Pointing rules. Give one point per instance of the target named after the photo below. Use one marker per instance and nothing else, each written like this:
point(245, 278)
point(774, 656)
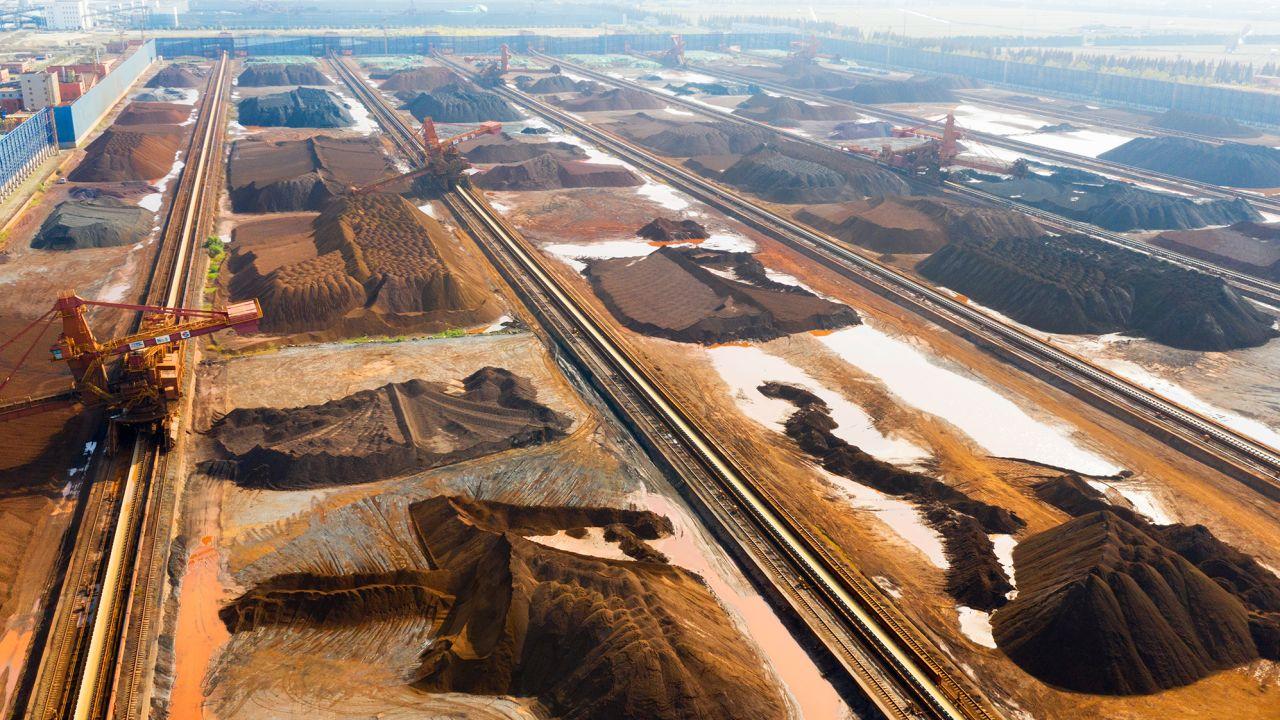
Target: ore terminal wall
point(1258, 108)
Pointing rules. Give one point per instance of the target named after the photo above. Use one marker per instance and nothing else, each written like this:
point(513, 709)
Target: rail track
point(94, 658)
point(1257, 288)
point(872, 641)
point(1253, 463)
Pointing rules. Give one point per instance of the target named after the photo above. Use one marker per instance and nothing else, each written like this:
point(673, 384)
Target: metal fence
point(79, 118)
point(24, 149)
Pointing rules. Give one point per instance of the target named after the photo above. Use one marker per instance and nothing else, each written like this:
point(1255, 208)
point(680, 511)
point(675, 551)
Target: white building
point(68, 15)
point(39, 89)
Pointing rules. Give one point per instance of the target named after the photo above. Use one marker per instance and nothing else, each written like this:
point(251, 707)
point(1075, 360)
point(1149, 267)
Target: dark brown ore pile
point(788, 111)
point(154, 113)
point(1104, 608)
point(119, 155)
point(664, 230)
point(914, 224)
point(671, 293)
point(682, 139)
point(286, 175)
point(420, 79)
point(504, 148)
point(1248, 246)
point(371, 264)
point(177, 76)
point(1239, 574)
point(974, 575)
point(1076, 284)
point(589, 638)
point(396, 429)
point(545, 172)
point(790, 172)
point(616, 99)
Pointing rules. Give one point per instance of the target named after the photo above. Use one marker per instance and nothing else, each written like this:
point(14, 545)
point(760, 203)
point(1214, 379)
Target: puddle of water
point(993, 421)
point(664, 195)
point(745, 368)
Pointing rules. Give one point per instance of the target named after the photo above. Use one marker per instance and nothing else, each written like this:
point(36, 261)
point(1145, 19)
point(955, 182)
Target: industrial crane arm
point(242, 316)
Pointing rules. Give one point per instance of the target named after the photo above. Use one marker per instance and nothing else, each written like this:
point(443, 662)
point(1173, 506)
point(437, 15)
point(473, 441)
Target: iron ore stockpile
point(676, 293)
point(93, 231)
point(1249, 247)
point(458, 103)
point(281, 175)
point(1230, 164)
point(446, 509)
point(426, 486)
point(1111, 204)
point(366, 264)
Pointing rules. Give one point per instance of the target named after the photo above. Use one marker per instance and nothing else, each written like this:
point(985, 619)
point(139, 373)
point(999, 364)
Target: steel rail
point(74, 679)
point(1248, 460)
point(1253, 286)
point(860, 606)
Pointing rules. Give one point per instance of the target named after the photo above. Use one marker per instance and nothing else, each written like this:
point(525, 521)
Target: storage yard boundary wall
point(1251, 106)
point(79, 118)
point(1261, 108)
point(24, 149)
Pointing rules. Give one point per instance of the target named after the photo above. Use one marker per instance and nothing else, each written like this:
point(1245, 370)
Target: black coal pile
point(301, 108)
point(664, 230)
point(1112, 204)
point(859, 130)
point(1076, 284)
point(787, 111)
point(912, 90)
point(974, 576)
point(1229, 164)
point(458, 104)
point(790, 172)
point(273, 74)
point(1104, 608)
point(93, 223)
point(1203, 124)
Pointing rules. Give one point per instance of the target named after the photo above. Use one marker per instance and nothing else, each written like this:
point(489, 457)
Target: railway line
point(1253, 463)
point(94, 659)
point(1260, 289)
point(872, 641)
